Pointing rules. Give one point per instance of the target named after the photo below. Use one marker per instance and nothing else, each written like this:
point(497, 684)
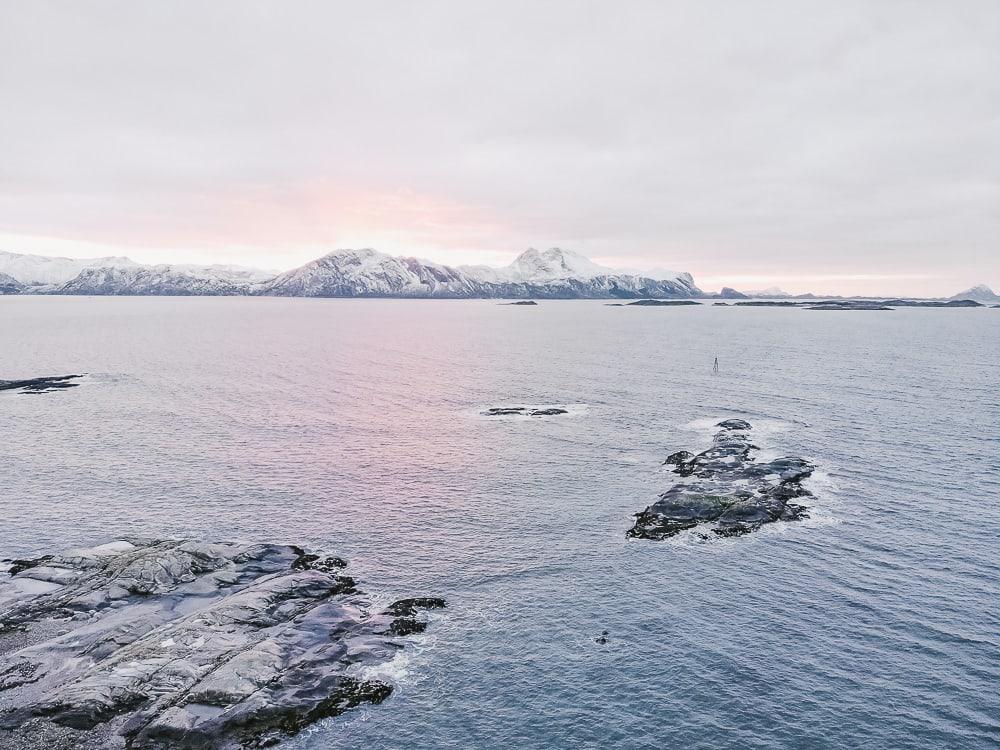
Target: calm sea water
point(352, 426)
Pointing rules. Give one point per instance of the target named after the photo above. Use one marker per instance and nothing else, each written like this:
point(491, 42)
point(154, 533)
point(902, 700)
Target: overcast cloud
point(831, 146)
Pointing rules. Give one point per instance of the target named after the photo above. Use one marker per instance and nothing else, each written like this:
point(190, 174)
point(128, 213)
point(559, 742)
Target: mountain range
point(552, 274)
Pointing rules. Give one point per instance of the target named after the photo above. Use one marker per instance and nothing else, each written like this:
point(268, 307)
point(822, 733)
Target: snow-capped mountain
point(536, 267)
point(553, 274)
point(772, 292)
point(42, 270)
point(159, 280)
point(979, 293)
point(369, 273)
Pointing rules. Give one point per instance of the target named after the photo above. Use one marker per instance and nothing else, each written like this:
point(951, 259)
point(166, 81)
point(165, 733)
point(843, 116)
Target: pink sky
point(837, 148)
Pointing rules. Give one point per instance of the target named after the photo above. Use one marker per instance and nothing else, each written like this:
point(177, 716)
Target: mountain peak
point(978, 293)
point(555, 263)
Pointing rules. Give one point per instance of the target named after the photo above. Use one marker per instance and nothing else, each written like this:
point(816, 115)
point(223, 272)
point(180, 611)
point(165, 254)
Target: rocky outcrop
point(725, 489)
point(40, 385)
point(172, 644)
point(524, 411)
point(661, 302)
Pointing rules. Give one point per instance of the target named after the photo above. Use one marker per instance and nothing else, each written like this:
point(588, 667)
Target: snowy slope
point(979, 293)
point(10, 285)
point(552, 274)
point(155, 280)
point(43, 270)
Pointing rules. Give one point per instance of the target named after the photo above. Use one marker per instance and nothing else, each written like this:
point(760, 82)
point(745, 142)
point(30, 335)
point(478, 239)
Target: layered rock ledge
point(725, 489)
point(179, 644)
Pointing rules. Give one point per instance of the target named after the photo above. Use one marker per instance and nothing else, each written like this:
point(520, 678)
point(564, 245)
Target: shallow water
point(353, 426)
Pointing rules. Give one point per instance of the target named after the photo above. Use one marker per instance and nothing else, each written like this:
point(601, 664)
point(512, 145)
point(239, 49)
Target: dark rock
point(932, 303)
point(720, 304)
point(39, 385)
point(730, 293)
point(524, 411)
point(17, 566)
point(169, 644)
point(521, 303)
point(848, 306)
point(724, 486)
point(662, 302)
point(679, 457)
point(410, 607)
point(735, 424)
point(504, 411)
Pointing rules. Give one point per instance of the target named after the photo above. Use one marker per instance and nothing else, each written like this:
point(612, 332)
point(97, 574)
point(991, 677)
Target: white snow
point(979, 293)
point(42, 270)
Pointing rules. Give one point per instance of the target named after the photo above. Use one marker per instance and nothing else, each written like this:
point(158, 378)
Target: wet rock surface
point(726, 489)
point(40, 385)
point(524, 411)
point(174, 644)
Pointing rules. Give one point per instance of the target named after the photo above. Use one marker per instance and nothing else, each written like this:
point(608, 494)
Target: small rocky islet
point(176, 644)
point(524, 411)
point(40, 385)
point(725, 489)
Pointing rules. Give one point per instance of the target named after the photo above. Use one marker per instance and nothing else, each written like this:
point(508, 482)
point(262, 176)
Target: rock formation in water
point(171, 644)
point(726, 489)
point(524, 411)
point(39, 385)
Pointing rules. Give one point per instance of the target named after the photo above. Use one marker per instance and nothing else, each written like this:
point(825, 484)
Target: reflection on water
point(354, 426)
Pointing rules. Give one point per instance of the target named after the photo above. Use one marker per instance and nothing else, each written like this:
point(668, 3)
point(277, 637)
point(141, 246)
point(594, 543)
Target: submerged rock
point(173, 644)
point(521, 303)
point(724, 486)
point(40, 385)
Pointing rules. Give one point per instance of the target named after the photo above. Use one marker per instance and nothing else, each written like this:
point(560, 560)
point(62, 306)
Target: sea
point(356, 427)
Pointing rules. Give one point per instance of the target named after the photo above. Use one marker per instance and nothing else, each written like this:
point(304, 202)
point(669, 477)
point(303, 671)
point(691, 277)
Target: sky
point(837, 147)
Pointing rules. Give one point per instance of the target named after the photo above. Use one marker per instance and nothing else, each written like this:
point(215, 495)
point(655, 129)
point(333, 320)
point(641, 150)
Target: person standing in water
point(715, 367)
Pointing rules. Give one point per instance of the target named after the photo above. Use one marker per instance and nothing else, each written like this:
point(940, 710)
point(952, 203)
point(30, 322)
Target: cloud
point(740, 139)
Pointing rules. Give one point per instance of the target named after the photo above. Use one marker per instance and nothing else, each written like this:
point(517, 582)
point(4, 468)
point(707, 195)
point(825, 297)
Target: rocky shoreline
point(726, 490)
point(179, 644)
